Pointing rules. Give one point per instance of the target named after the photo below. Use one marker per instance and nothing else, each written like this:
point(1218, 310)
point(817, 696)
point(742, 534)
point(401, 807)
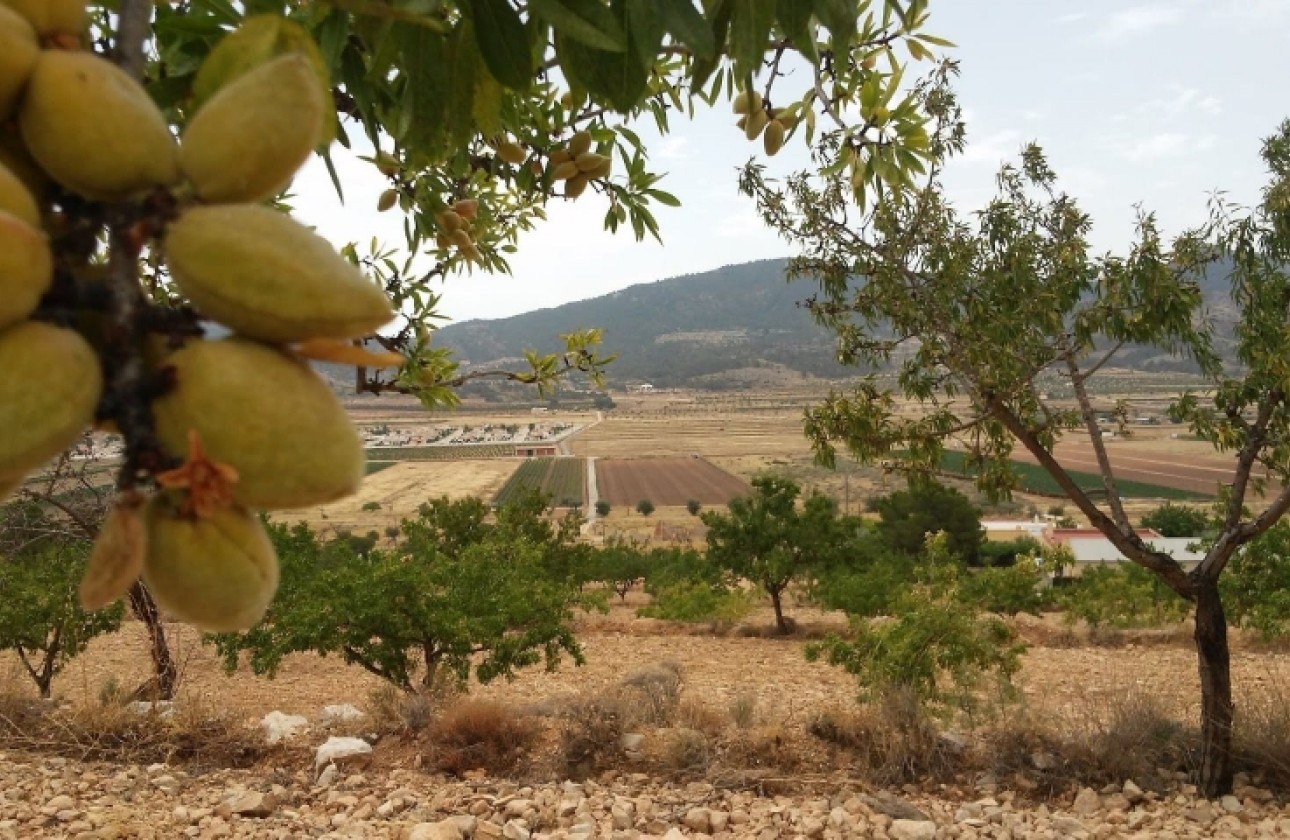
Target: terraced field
point(768, 433)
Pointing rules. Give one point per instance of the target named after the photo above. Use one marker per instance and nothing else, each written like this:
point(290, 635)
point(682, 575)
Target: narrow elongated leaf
point(587, 21)
point(750, 27)
point(719, 12)
point(683, 21)
point(645, 27)
point(795, 19)
point(503, 42)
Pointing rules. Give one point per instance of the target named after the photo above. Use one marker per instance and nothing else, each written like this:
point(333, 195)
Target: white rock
point(278, 726)
point(1231, 804)
point(697, 819)
point(336, 750)
point(161, 708)
point(912, 830)
point(632, 741)
point(1087, 802)
point(341, 713)
point(515, 830)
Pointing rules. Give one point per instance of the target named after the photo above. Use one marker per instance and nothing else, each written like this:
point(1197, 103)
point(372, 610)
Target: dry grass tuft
point(893, 740)
point(480, 735)
point(192, 734)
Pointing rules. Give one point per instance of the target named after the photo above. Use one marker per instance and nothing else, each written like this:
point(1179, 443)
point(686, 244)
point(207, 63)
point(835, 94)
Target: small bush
point(644, 507)
point(591, 734)
point(743, 709)
point(653, 693)
point(1122, 595)
point(1007, 590)
point(698, 601)
point(602, 508)
point(693, 507)
point(686, 751)
point(891, 739)
point(692, 714)
point(371, 506)
point(479, 734)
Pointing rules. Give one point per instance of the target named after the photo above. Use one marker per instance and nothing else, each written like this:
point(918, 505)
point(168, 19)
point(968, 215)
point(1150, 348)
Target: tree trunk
point(1214, 772)
point(781, 626)
point(165, 674)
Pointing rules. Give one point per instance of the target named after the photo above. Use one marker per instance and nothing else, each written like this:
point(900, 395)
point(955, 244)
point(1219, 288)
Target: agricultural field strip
point(665, 481)
point(560, 478)
point(1157, 471)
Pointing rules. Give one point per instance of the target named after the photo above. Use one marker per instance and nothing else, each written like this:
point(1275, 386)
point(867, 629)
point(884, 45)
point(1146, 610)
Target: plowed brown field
point(665, 481)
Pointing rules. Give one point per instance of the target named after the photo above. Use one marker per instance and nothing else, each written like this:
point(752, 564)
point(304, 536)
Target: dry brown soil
point(665, 481)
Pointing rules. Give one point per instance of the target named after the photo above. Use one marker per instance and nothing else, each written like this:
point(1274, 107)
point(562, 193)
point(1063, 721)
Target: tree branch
point(1127, 542)
point(133, 28)
point(1099, 444)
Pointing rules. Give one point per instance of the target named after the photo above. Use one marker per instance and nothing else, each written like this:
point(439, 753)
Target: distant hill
point(697, 330)
point(727, 328)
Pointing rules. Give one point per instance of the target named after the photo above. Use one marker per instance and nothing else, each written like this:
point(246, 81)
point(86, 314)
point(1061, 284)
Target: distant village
point(464, 434)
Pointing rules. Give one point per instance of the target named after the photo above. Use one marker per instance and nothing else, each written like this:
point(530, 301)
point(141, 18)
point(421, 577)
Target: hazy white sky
point(1157, 103)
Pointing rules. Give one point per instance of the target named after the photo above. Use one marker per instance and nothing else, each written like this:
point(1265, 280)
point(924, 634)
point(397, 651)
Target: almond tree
point(962, 325)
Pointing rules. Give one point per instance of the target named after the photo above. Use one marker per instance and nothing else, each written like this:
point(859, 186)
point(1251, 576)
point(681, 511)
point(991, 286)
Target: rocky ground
point(42, 796)
point(387, 794)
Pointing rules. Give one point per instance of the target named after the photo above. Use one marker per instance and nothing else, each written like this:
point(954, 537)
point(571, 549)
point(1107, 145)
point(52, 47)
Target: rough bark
point(165, 675)
point(781, 625)
point(1214, 770)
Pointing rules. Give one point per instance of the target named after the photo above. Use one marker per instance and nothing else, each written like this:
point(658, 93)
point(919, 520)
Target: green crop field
point(1032, 478)
point(558, 478)
point(440, 453)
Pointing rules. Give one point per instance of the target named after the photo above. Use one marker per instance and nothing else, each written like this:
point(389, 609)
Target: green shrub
point(1121, 595)
point(1008, 590)
point(1256, 584)
point(697, 601)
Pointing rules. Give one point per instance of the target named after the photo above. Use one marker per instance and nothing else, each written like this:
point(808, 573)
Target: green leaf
point(645, 28)
point(719, 12)
point(839, 17)
point(587, 21)
point(664, 198)
point(687, 26)
point(750, 28)
point(795, 19)
point(499, 32)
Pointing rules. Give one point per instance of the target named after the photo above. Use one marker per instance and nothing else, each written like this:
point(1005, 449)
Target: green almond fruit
point(247, 142)
point(26, 268)
point(218, 573)
point(18, 51)
point(266, 414)
point(94, 129)
point(16, 199)
point(266, 276)
point(51, 17)
point(48, 393)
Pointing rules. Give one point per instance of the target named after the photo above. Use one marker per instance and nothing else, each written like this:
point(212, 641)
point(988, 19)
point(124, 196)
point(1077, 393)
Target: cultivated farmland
point(665, 481)
point(559, 478)
point(398, 490)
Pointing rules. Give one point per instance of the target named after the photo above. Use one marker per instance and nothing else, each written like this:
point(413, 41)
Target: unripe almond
point(216, 573)
point(48, 393)
point(116, 561)
point(559, 156)
point(51, 17)
point(15, 157)
point(757, 120)
point(94, 129)
point(450, 220)
point(387, 200)
point(576, 185)
point(580, 142)
point(441, 240)
point(565, 171)
point(249, 139)
point(774, 137)
point(267, 415)
point(259, 272)
point(18, 51)
point(473, 254)
point(467, 208)
point(16, 199)
point(512, 153)
point(461, 238)
point(588, 161)
point(26, 268)
point(601, 169)
point(746, 102)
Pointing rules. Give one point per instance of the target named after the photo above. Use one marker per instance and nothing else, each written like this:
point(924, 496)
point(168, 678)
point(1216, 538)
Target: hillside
point(727, 328)
point(695, 330)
